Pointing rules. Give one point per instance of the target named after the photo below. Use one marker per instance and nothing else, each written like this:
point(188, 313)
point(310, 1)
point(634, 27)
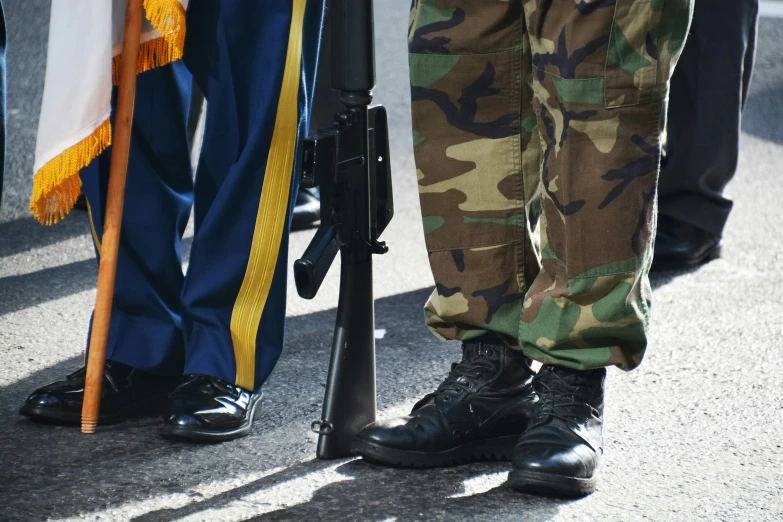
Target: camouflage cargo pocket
point(646, 39)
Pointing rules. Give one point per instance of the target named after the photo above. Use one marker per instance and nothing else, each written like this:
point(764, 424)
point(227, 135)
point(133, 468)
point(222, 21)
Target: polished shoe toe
point(126, 392)
point(45, 400)
point(208, 409)
point(186, 421)
point(51, 407)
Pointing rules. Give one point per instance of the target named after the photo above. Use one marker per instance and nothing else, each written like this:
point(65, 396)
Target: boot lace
point(464, 374)
point(563, 397)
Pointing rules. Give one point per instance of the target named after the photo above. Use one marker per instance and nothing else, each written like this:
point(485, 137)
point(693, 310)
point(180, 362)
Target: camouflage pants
point(536, 128)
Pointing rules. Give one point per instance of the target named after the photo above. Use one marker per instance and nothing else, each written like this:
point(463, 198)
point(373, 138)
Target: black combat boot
point(477, 413)
point(559, 453)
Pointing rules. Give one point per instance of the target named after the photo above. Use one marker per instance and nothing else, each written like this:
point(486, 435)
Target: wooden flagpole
point(113, 218)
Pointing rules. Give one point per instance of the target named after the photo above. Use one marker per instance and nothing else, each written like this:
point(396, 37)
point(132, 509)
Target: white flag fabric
point(83, 59)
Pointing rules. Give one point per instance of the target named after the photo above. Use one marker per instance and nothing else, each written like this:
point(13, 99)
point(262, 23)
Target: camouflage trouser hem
point(537, 143)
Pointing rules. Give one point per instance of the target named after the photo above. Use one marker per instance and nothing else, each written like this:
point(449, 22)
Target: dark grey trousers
point(708, 93)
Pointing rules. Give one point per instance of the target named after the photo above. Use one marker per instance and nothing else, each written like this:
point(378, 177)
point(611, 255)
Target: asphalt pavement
point(696, 433)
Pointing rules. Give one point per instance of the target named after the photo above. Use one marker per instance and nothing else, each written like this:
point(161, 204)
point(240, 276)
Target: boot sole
point(550, 485)
point(499, 449)
point(180, 433)
point(149, 407)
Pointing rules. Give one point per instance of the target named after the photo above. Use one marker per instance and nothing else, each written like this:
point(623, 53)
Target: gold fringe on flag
point(168, 19)
point(56, 186)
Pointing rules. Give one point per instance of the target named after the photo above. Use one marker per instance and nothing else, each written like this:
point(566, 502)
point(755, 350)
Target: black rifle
point(349, 161)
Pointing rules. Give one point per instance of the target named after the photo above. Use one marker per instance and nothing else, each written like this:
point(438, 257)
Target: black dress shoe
point(126, 392)
point(558, 455)
point(307, 210)
point(81, 202)
point(476, 414)
point(208, 409)
point(679, 245)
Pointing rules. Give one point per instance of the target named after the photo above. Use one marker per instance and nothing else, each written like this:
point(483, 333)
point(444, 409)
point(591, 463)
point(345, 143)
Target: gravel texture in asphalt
point(694, 434)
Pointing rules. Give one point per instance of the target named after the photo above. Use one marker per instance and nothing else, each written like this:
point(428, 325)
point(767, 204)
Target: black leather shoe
point(558, 455)
point(208, 409)
point(307, 210)
point(81, 202)
point(126, 392)
point(477, 413)
point(679, 245)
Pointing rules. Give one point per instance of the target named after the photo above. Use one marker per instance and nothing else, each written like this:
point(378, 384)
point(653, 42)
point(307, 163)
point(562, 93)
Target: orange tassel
point(57, 185)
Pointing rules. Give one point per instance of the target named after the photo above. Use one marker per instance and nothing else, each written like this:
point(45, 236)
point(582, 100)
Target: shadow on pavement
point(660, 279)
point(48, 470)
point(23, 291)
point(51, 471)
point(368, 492)
point(25, 234)
point(416, 495)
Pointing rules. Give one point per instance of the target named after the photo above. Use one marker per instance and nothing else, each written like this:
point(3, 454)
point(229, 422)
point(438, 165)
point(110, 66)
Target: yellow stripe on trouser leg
point(272, 211)
point(95, 237)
